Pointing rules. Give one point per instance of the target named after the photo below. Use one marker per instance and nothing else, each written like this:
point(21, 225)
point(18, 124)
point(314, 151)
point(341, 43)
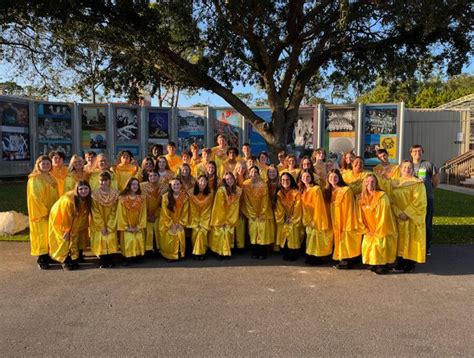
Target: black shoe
point(43, 265)
point(381, 270)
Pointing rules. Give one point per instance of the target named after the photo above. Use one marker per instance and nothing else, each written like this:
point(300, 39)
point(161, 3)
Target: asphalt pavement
point(240, 307)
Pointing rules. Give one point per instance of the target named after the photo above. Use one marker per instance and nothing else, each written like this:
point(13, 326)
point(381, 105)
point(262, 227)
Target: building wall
point(436, 130)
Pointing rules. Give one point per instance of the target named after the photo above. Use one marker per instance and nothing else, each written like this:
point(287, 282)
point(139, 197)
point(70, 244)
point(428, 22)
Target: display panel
point(158, 126)
point(15, 132)
point(256, 141)
point(300, 137)
point(229, 123)
point(191, 128)
point(94, 124)
point(340, 131)
point(54, 128)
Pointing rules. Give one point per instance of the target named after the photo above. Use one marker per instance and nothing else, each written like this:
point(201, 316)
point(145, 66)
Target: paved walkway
point(240, 307)
point(457, 189)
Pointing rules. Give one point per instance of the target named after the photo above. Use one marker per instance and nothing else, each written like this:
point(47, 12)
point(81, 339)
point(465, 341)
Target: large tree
point(283, 47)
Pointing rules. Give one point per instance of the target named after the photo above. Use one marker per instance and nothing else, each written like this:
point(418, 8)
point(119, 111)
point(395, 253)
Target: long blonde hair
point(36, 170)
point(75, 157)
point(364, 195)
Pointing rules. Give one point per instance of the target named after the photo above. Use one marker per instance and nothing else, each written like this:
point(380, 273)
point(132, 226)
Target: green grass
point(453, 221)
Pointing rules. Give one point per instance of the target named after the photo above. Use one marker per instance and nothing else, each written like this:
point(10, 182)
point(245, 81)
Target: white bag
point(12, 222)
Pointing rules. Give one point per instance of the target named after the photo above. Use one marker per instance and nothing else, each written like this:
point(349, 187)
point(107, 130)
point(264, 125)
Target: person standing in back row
point(427, 171)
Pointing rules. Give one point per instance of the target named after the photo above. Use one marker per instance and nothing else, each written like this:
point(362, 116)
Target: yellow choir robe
point(294, 172)
point(69, 184)
point(173, 245)
point(188, 184)
point(174, 161)
point(62, 219)
point(152, 194)
point(218, 155)
point(94, 179)
point(347, 239)
point(131, 212)
point(104, 216)
point(258, 210)
point(224, 218)
point(200, 209)
point(319, 240)
point(200, 169)
point(385, 174)
point(288, 216)
point(164, 179)
point(59, 173)
point(281, 168)
point(355, 180)
point(193, 164)
point(41, 194)
point(272, 189)
point(123, 173)
point(263, 171)
point(226, 166)
point(409, 197)
point(377, 223)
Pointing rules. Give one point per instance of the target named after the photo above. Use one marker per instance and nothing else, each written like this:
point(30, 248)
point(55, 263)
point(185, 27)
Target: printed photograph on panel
point(126, 120)
point(340, 129)
point(14, 114)
point(15, 146)
point(191, 128)
point(94, 118)
point(300, 140)
point(158, 125)
point(380, 124)
point(256, 141)
point(54, 128)
point(228, 123)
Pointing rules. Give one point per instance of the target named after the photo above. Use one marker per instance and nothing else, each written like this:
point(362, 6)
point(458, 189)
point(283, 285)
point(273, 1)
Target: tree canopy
point(283, 47)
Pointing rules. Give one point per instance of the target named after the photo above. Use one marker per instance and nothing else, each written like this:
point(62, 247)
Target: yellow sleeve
point(218, 215)
point(184, 218)
point(62, 215)
point(416, 209)
point(35, 192)
point(122, 222)
point(165, 215)
point(69, 183)
point(320, 219)
point(360, 218)
point(385, 221)
point(279, 211)
point(233, 212)
point(297, 216)
point(97, 223)
point(248, 209)
point(143, 216)
point(112, 218)
point(348, 212)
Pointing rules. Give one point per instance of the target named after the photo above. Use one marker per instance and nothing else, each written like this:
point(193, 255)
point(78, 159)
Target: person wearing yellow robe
point(240, 172)
point(152, 192)
point(224, 217)
point(103, 227)
point(320, 166)
point(148, 165)
point(200, 209)
point(68, 217)
point(377, 223)
point(385, 171)
point(184, 175)
point(89, 167)
point(219, 152)
point(281, 161)
point(41, 194)
point(58, 171)
point(211, 174)
point(409, 207)
point(291, 167)
point(356, 175)
point(347, 238)
point(164, 173)
point(195, 158)
point(272, 185)
point(75, 174)
point(174, 218)
point(174, 160)
point(125, 169)
point(345, 163)
point(319, 240)
point(258, 210)
point(131, 221)
point(246, 152)
point(262, 164)
point(101, 165)
point(229, 164)
point(201, 167)
point(288, 215)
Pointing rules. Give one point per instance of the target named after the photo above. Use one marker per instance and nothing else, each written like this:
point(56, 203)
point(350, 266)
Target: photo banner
point(54, 128)
point(15, 131)
point(380, 131)
point(191, 128)
point(300, 135)
point(340, 131)
point(229, 123)
point(94, 133)
point(158, 126)
point(256, 141)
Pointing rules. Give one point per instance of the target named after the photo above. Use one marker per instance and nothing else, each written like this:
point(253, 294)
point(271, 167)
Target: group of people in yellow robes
point(221, 202)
